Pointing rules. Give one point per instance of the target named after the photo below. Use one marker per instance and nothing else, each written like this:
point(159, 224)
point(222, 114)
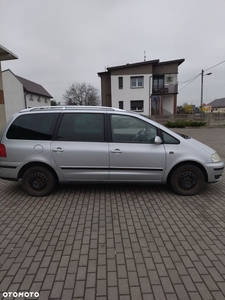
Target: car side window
point(169, 139)
point(81, 127)
point(128, 129)
point(33, 127)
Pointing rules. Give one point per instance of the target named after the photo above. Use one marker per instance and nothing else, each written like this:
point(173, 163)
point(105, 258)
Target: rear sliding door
point(80, 150)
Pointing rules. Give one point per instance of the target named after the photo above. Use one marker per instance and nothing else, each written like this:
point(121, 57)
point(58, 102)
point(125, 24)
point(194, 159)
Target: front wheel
point(187, 180)
point(38, 181)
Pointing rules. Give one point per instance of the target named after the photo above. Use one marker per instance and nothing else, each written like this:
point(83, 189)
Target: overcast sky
point(60, 42)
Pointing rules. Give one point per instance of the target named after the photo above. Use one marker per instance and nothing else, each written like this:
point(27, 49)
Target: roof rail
point(70, 107)
point(41, 108)
point(46, 107)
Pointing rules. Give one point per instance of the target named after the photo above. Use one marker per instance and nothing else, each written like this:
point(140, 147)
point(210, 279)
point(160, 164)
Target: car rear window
point(33, 127)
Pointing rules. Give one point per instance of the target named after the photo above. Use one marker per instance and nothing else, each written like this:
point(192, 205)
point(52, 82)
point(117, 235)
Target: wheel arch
point(36, 164)
point(193, 163)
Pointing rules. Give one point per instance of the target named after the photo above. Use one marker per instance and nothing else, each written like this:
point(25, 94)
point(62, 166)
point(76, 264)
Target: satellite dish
point(169, 79)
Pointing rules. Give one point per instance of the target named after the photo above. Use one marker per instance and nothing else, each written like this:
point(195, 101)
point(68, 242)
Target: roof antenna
point(144, 56)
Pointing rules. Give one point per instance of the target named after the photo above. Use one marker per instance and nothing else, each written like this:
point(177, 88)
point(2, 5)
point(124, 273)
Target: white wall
point(13, 94)
point(15, 97)
point(37, 100)
point(168, 104)
point(127, 93)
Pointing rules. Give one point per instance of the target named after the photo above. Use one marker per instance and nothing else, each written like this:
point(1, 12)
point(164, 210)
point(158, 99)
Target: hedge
point(183, 124)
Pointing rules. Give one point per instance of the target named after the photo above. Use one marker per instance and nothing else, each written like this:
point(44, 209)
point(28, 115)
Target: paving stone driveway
point(115, 241)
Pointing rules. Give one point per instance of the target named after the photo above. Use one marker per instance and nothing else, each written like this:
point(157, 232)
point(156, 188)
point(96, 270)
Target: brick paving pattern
point(115, 241)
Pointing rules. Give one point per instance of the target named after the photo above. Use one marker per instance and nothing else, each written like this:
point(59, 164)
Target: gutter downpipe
point(25, 100)
point(150, 81)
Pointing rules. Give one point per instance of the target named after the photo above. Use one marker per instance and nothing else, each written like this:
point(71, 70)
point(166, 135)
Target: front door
point(133, 154)
point(155, 105)
point(80, 150)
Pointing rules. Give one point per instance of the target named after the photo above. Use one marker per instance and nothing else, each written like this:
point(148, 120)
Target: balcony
point(165, 89)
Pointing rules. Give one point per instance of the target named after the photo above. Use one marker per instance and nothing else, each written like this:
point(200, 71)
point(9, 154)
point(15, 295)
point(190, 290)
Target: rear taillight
point(2, 151)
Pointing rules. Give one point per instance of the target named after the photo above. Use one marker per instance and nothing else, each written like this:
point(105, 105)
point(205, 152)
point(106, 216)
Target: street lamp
point(202, 74)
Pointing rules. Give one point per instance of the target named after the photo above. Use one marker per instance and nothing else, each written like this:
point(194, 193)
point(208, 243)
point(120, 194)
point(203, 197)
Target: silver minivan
point(45, 145)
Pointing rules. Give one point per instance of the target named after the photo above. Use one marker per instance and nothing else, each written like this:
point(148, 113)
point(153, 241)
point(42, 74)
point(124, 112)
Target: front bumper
point(214, 171)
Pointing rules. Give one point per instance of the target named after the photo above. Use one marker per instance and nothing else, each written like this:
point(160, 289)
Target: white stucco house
point(148, 87)
point(20, 93)
point(5, 55)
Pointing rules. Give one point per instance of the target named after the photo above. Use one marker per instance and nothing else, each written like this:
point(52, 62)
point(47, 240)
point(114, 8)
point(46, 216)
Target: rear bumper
point(8, 171)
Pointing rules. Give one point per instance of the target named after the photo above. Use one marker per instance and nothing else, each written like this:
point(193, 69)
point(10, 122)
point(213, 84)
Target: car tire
point(187, 180)
point(38, 181)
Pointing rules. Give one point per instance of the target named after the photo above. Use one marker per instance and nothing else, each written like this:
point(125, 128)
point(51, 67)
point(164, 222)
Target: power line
point(215, 65)
point(190, 82)
point(182, 82)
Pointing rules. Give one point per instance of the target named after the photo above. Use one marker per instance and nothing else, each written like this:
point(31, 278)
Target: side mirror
point(158, 140)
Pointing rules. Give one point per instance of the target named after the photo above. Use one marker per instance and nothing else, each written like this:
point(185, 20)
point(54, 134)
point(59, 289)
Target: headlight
point(215, 157)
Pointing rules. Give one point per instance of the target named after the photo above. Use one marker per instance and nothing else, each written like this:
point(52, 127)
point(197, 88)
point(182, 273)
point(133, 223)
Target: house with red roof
point(217, 105)
point(21, 93)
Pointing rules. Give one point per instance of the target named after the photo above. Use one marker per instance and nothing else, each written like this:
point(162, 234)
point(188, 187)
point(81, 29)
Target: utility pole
point(202, 74)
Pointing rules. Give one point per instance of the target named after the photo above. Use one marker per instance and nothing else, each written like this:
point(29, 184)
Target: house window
point(121, 104)
point(46, 100)
point(39, 99)
point(31, 97)
point(137, 105)
point(120, 82)
point(158, 83)
point(137, 82)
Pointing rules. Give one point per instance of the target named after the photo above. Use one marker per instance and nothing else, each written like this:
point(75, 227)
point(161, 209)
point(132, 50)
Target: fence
point(212, 119)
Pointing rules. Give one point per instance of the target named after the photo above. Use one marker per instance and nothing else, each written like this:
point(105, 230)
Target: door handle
point(59, 149)
point(116, 151)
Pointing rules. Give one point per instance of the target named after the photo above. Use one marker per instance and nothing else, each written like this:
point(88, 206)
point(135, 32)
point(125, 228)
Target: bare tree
point(81, 94)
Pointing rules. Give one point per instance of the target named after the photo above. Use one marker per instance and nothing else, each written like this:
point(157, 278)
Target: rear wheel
point(38, 181)
point(187, 180)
